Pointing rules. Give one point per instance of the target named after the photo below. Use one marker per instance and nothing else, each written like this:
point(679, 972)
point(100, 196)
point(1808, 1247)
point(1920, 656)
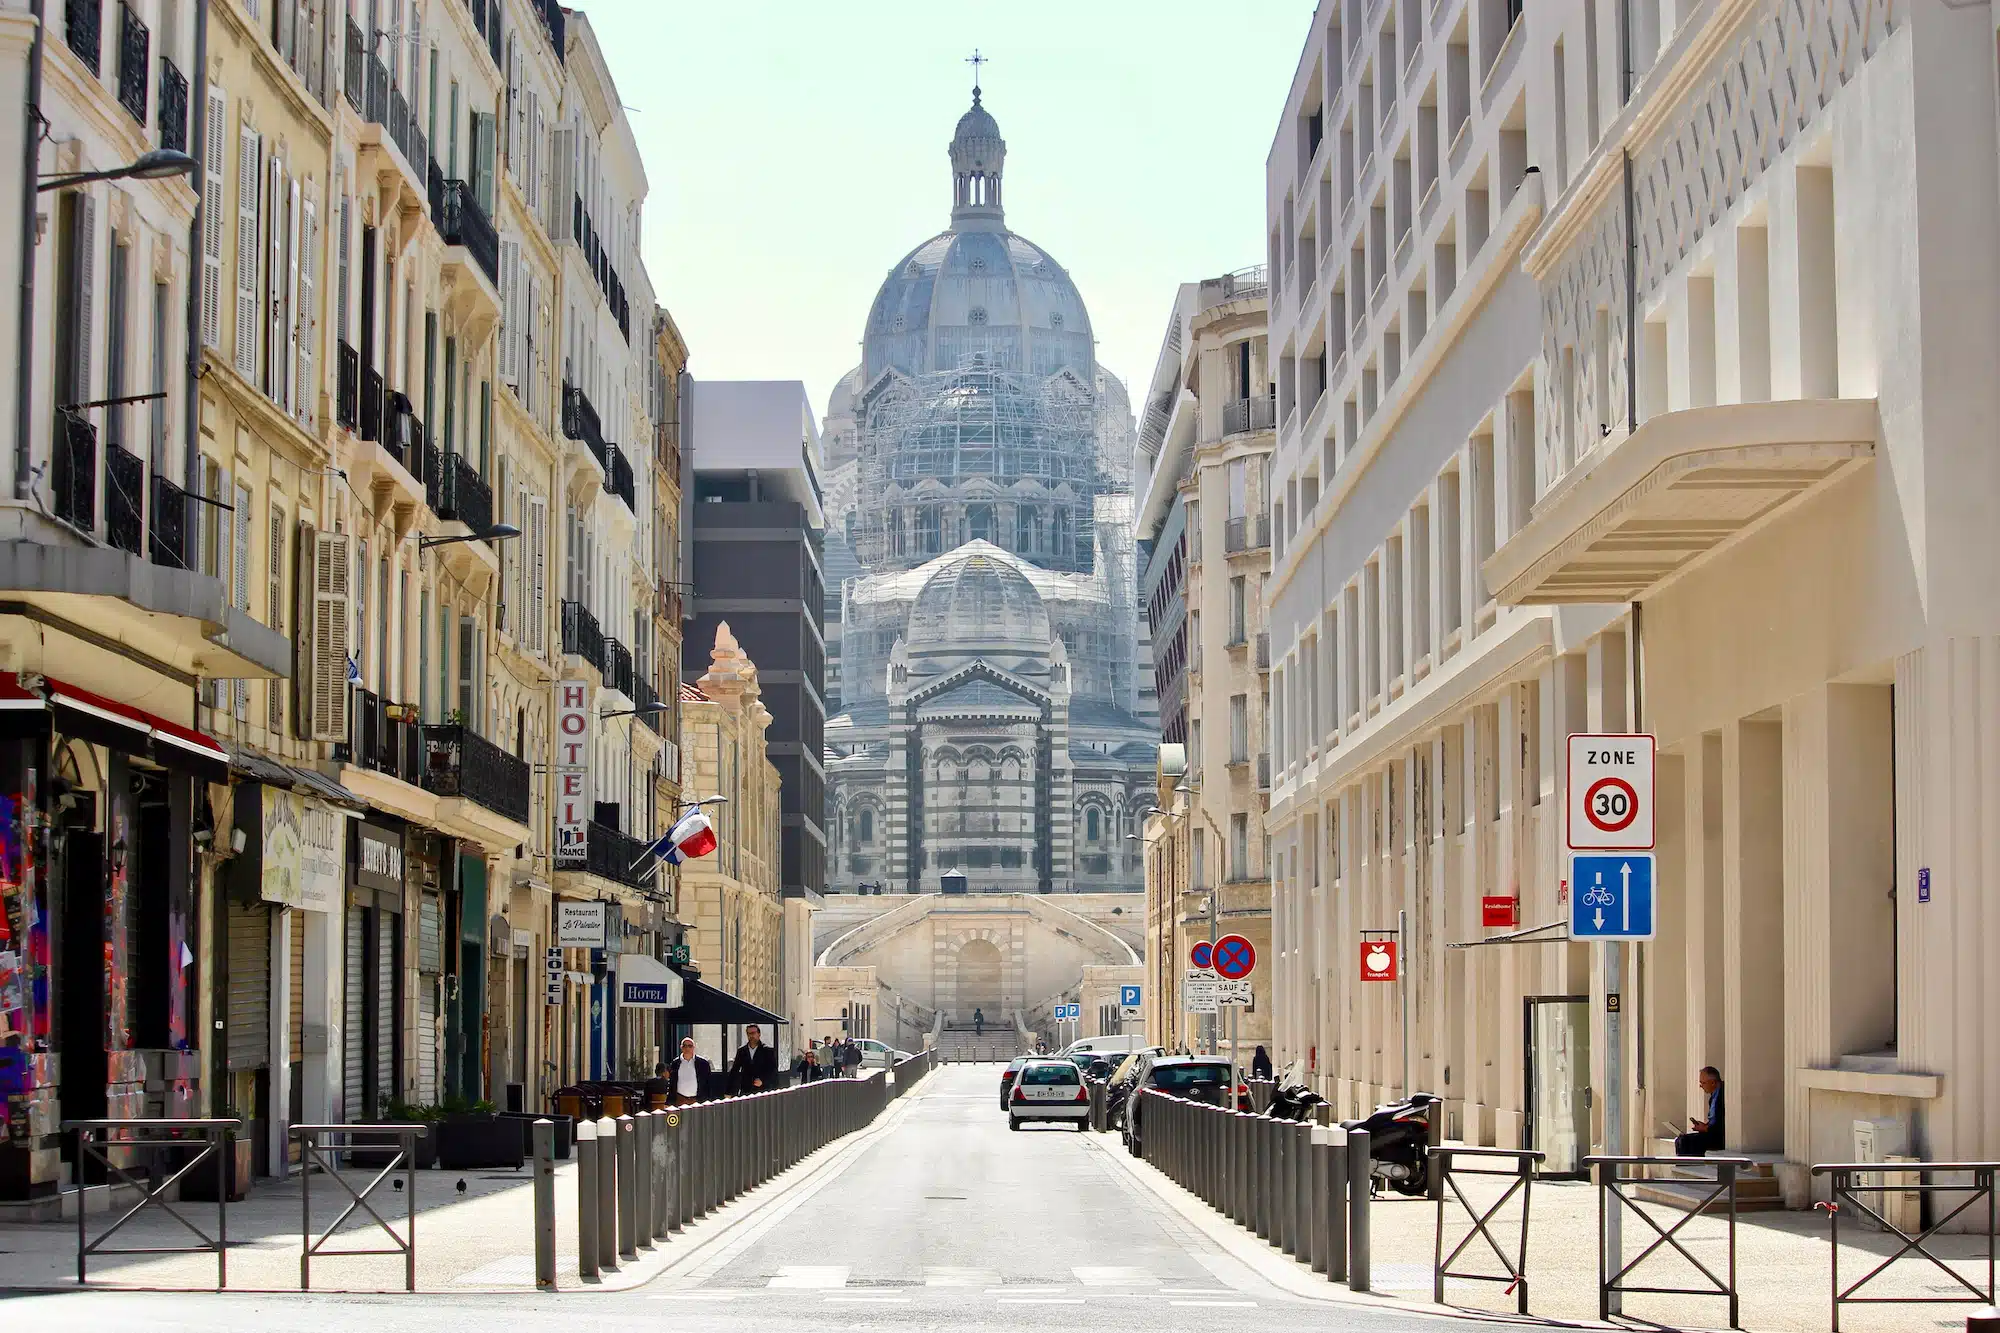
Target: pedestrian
point(756, 1065)
point(690, 1076)
point(1260, 1064)
point(1704, 1136)
point(659, 1088)
point(822, 1057)
point(978, 1022)
point(850, 1057)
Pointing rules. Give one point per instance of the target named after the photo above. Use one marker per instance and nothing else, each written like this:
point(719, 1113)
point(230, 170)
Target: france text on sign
point(1611, 896)
point(1378, 960)
point(1235, 957)
point(1610, 805)
point(1128, 996)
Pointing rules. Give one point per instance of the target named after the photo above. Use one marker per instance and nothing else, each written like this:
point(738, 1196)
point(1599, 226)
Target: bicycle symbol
point(1599, 896)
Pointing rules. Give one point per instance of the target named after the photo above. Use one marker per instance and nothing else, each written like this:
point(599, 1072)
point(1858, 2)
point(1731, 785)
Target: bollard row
point(1303, 1187)
point(642, 1177)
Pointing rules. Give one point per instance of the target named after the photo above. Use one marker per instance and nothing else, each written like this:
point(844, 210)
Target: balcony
point(1248, 414)
point(389, 473)
point(173, 107)
point(620, 471)
point(463, 495)
point(486, 18)
point(354, 72)
point(609, 854)
point(667, 450)
point(581, 636)
point(1264, 771)
point(644, 696)
point(617, 667)
point(391, 146)
point(460, 763)
point(1263, 655)
point(370, 426)
point(75, 471)
point(347, 396)
point(1244, 534)
point(387, 738)
point(135, 46)
point(169, 544)
point(83, 31)
point(471, 260)
point(124, 499)
point(550, 12)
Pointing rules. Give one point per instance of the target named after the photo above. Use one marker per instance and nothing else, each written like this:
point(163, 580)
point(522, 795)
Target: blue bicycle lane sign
point(1611, 896)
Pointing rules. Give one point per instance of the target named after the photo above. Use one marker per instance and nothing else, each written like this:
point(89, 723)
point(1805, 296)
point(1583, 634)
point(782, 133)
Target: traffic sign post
point(1201, 955)
point(1611, 896)
point(1610, 805)
point(1235, 958)
point(1128, 997)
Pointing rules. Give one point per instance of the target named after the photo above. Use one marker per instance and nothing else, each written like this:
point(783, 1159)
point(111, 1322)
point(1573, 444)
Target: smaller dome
point(979, 601)
point(977, 123)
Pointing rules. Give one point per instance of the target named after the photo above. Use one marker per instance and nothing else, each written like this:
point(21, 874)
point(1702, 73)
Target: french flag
point(693, 836)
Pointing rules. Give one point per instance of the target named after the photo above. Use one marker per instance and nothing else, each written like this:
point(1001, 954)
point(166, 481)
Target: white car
point(1049, 1088)
point(878, 1054)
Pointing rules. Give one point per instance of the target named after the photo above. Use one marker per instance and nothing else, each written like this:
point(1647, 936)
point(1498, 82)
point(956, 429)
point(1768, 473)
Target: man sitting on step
point(1704, 1136)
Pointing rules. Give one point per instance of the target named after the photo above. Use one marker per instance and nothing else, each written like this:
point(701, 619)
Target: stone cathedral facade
point(995, 712)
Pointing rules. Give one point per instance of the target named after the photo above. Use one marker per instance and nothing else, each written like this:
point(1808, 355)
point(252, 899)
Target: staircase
point(961, 1042)
point(1684, 1187)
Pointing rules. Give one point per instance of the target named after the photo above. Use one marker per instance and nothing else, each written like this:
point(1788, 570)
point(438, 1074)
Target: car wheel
point(1013, 1122)
point(1083, 1126)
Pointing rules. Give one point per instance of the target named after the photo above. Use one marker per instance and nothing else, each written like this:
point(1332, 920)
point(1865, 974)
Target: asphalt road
point(948, 1221)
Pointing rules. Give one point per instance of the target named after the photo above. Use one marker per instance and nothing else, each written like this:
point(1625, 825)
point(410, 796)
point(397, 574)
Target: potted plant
point(473, 1134)
point(377, 1150)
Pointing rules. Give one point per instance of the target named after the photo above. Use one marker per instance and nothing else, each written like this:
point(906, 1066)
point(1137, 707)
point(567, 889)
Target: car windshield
point(1190, 1076)
point(1049, 1073)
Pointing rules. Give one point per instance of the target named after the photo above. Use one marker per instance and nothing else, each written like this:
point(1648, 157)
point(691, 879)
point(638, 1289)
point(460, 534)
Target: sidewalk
point(1783, 1273)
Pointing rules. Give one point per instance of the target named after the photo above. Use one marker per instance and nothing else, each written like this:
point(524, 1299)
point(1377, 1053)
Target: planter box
point(377, 1151)
point(470, 1141)
point(565, 1132)
point(199, 1185)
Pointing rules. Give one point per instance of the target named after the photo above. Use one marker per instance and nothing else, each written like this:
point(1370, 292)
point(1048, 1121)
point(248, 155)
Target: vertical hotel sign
point(572, 769)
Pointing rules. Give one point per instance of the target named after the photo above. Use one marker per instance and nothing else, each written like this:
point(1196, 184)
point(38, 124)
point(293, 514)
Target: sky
point(795, 151)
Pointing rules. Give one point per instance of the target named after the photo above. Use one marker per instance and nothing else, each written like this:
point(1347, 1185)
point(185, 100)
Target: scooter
point(1293, 1097)
point(1399, 1140)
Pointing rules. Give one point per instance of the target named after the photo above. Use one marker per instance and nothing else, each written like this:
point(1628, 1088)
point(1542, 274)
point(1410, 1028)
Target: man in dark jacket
point(756, 1065)
point(689, 1077)
point(1704, 1136)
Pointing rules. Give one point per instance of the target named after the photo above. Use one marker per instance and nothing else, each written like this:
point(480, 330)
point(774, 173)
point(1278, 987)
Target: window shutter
point(86, 275)
point(240, 573)
point(274, 691)
point(562, 169)
point(248, 191)
point(303, 617)
point(281, 29)
point(535, 576)
point(275, 218)
point(510, 281)
point(294, 335)
point(211, 221)
point(331, 558)
point(511, 146)
point(340, 329)
point(306, 392)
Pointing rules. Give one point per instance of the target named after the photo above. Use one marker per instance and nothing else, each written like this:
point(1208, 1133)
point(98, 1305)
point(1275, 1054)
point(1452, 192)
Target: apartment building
point(1201, 470)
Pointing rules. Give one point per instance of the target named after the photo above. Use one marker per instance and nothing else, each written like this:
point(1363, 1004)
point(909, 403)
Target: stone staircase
point(1757, 1187)
point(961, 1042)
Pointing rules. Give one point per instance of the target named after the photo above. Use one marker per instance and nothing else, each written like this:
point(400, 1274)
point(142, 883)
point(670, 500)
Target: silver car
point(1049, 1088)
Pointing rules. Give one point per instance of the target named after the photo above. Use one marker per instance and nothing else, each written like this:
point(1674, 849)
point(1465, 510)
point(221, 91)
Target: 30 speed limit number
point(1610, 792)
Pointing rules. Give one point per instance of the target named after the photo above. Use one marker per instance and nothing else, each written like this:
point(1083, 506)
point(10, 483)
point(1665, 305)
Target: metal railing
point(402, 433)
point(94, 1146)
point(619, 477)
point(550, 12)
point(644, 696)
point(83, 31)
point(387, 738)
point(370, 412)
point(124, 499)
point(1847, 1192)
point(74, 474)
point(322, 1146)
point(458, 761)
point(617, 666)
point(463, 494)
point(581, 636)
point(1247, 414)
point(167, 544)
point(609, 853)
point(347, 390)
point(580, 420)
point(173, 111)
point(1610, 1173)
point(135, 45)
point(353, 78)
point(1445, 1172)
point(461, 221)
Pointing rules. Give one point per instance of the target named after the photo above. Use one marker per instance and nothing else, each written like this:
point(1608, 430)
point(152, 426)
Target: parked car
point(1007, 1077)
point(1049, 1089)
point(1195, 1077)
point(1120, 1043)
point(879, 1054)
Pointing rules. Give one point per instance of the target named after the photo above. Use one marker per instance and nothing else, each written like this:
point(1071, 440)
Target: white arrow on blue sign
point(1128, 996)
point(1611, 896)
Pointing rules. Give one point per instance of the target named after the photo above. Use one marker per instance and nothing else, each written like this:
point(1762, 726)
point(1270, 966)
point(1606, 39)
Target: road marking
point(1041, 1300)
point(866, 1300)
point(810, 1277)
point(1114, 1277)
point(1197, 1291)
point(960, 1277)
point(1026, 1291)
point(1211, 1305)
point(694, 1295)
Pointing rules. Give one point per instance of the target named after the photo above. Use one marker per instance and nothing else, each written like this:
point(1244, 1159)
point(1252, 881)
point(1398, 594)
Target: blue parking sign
point(1128, 996)
point(1611, 896)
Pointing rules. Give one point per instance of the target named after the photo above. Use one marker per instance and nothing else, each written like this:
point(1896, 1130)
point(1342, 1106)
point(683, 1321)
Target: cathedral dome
point(977, 287)
point(979, 601)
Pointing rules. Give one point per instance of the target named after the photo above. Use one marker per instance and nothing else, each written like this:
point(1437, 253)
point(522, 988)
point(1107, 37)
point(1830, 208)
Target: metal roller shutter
point(249, 985)
point(387, 956)
point(296, 990)
point(353, 1104)
point(430, 963)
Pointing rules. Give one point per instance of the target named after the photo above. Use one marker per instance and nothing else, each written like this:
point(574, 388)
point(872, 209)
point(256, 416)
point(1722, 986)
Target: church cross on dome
point(976, 60)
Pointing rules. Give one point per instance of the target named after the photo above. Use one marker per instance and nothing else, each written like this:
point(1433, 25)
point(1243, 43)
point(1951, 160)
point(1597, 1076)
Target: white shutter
point(306, 392)
point(294, 390)
point(240, 572)
point(282, 34)
point(86, 279)
point(248, 192)
point(211, 221)
point(510, 321)
point(562, 173)
point(538, 610)
point(274, 282)
point(331, 613)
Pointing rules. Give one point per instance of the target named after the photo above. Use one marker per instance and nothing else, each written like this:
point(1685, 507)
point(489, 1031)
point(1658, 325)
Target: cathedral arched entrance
point(979, 973)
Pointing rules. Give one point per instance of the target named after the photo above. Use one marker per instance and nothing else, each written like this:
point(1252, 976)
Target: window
point(867, 824)
point(1093, 828)
point(1239, 728)
point(1239, 610)
point(1199, 861)
point(1239, 846)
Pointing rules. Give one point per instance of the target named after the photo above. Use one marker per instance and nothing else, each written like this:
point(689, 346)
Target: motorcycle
point(1292, 1098)
point(1399, 1140)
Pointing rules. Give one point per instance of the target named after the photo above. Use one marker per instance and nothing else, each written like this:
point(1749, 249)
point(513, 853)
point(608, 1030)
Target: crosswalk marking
point(867, 1300)
point(1113, 1277)
point(1231, 1305)
point(1041, 1300)
point(810, 1277)
point(960, 1277)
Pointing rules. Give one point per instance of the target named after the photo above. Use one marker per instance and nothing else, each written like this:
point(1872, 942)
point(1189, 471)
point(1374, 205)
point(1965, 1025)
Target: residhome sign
point(572, 770)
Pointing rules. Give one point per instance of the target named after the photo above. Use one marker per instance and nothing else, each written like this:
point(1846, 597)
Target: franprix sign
point(572, 770)
point(1610, 805)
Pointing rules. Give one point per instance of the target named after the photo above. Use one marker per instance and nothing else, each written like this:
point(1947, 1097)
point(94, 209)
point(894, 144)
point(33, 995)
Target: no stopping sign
point(1610, 804)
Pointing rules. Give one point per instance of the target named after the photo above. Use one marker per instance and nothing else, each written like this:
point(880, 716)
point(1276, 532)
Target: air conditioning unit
point(1887, 1140)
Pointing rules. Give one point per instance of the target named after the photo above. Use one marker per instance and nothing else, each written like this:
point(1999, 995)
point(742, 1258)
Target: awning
point(644, 982)
point(260, 767)
point(33, 706)
point(704, 1005)
point(1643, 510)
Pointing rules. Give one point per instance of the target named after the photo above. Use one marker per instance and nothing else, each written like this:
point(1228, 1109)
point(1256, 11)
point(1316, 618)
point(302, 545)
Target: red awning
point(106, 721)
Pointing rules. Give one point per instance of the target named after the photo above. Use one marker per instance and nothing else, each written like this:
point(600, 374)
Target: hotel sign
point(572, 770)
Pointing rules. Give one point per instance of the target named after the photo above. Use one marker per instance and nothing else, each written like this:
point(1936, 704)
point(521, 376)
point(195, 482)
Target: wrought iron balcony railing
point(459, 762)
point(581, 636)
point(617, 667)
point(619, 471)
point(644, 696)
point(402, 433)
point(550, 12)
point(1247, 414)
point(347, 393)
point(388, 738)
point(580, 421)
point(371, 404)
point(83, 31)
point(124, 499)
point(461, 221)
point(135, 46)
point(173, 111)
point(1246, 534)
point(169, 544)
point(463, 494)
point(609, 853)
point(74, 476)
point(354, 71)
point(433, 477)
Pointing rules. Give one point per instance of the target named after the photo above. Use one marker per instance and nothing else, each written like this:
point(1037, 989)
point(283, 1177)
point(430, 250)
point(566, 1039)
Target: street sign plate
point(1611, 896)
point(1610, 805)
point(1128, 996)
point(1499, 911)
point(1378, 960)
point(1067, 1011)
point(1130, 1013)
point(1198, 993)
point(1235, 958)
point(1201, 955)
point(1233, 993)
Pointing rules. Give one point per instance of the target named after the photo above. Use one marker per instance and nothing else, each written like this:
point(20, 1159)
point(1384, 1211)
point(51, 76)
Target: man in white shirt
point(689, 1075)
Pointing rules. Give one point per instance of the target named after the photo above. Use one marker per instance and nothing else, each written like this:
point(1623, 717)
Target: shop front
point(372, 1036)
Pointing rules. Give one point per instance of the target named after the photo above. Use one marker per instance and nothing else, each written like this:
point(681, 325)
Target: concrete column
point(1668, 1071)
point(1753, 933)
point(1701, 868)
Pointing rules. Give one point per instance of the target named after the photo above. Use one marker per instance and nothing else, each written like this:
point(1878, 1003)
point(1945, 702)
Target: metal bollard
point(607, 1193)
point(1333, 1203)
point(1360, 1170)
point(662, 1180)
point(586, 1199)
point(1285, 1194)
point(1261, 1209)
point(647, 1181)
point(1302, 1190)
point(1097, 1108)
point(542, 1135)
point(678, 1123)
point(628, 1188)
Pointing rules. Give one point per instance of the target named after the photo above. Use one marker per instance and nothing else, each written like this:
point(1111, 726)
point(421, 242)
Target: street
point(944, 1219)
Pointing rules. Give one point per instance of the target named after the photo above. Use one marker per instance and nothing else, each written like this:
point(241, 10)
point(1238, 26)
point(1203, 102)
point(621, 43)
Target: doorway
point(979, 979)
point(1556, 1040)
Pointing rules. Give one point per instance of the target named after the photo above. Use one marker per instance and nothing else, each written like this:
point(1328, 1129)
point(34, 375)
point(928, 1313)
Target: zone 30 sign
point(1610, 792)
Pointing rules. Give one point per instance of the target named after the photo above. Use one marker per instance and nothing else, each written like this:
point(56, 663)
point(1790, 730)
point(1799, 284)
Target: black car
point(1193, 1077)
point(1007, 1077)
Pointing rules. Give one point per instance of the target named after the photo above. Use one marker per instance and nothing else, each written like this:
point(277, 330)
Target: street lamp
point(643, 710)
point(496, 533)
point(157, 164)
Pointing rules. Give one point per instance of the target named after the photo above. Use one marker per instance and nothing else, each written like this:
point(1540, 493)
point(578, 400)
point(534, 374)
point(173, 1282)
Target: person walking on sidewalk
point(1260, 1064)
point(1704, 1136)
point(756, 1065)
point(689, 1076)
